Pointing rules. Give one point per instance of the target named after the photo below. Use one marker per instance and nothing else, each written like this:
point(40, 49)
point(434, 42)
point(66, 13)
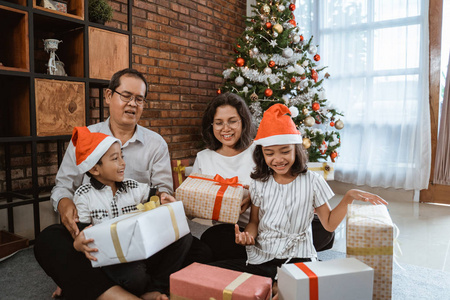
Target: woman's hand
point(81, 244)
point(243, 238)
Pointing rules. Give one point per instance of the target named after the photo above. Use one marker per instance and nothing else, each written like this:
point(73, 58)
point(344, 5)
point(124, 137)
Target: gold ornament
point(277, 28)
point(253, 97)
point(305, 111)
point(265, 9)
point(309, 121)
point(339, 124)
point(306, 143)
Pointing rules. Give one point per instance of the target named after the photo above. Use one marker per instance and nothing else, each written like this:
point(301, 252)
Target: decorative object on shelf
point(54, 65)
point(100, 11)
point(58, 5)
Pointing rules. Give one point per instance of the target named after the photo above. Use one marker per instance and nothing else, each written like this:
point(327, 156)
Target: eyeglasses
point(128, 98)
point(219, 125)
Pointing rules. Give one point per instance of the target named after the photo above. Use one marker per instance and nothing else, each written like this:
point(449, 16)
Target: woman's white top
point(285, 215)
point(210, 162)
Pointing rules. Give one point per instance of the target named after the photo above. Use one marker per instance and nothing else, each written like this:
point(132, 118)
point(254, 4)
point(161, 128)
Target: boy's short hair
point(114, 83)
point(248, 128)
point(262, 171)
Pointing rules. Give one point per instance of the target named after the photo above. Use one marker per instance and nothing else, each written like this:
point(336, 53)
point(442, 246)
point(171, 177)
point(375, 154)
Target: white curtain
point(377, 54)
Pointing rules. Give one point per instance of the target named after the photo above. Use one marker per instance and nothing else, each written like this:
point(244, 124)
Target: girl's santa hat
point(90, 147)
point(277, 128)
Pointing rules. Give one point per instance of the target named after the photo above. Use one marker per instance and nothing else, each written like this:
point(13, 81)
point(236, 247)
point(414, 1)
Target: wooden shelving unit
point(38, 108)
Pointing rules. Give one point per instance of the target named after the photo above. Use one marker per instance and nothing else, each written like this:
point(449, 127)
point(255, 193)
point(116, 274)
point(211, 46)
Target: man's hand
point(243, 238)
point(245, 204)
point(69, 216)
point(166, 198)
point(81, 244)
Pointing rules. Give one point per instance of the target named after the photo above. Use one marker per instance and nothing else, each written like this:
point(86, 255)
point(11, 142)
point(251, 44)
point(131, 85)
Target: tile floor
point(424, 236)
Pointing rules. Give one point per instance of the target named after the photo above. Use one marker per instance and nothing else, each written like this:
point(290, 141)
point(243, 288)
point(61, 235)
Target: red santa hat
point(90, 147)
point(277, 128)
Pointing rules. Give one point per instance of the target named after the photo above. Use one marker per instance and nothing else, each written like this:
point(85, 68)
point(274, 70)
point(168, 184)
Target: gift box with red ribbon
point(211, 197)
point(178, 171)
point(203, 282)
point(345, 278)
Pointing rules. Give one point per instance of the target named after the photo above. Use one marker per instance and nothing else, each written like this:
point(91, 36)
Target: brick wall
point(180, 46)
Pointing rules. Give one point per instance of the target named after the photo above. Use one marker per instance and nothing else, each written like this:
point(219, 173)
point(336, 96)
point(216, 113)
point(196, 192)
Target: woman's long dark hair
point(262, 171)
point(248, 128)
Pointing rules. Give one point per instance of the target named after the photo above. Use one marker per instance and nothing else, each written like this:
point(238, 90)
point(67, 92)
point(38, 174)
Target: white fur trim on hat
point(280, 140)
point(97, 154)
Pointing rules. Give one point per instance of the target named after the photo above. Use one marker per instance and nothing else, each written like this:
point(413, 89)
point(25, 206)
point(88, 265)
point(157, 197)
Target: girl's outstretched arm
point(251, 230)
point(331, 219)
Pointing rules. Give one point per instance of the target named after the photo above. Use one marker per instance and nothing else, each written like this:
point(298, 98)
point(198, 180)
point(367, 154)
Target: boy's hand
point(81, 244)
point(166, 198)
point(69, 216)
point(243, 238)
point(367, 197)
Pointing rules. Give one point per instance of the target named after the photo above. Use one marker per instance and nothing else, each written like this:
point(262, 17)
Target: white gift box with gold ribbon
point(345, 278)
point(326, 169)
point(137, 235)
point(370, 239)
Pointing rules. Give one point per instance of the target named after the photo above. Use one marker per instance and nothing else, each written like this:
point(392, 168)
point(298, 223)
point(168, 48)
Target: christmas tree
point(274, 63)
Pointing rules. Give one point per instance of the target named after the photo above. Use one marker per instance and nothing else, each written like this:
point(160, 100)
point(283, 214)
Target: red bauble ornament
point(268, 25)
point(315, 106)
point(219, 92)
point(303, 77)
point(331, 124)
point(240, 62)
point(333, 155)
point(314, 75)
point(301, 38)
point(293, 22)
point(292, 7)
point(235, 49)
point(317, 57)
point(292, 16)
point(293, 80)
point(271, 64)
point(268, 92)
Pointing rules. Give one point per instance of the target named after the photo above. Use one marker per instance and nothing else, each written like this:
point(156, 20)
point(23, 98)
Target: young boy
point(109, 195)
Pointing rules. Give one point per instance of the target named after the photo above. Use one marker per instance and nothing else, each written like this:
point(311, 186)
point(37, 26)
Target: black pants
point(267, 269)
point(72, 271)
point(221, 240)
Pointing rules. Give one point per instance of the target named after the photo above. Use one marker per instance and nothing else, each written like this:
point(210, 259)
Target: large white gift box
point(137, 236)
point(340, 279)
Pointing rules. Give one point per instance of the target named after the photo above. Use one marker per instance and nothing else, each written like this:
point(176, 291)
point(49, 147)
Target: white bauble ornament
point(288, 52)
point(281, 7)
point(294, 111)
point(300, 70)
point(312, 50)
point(309, 121)
point(239, 81)
point(275, 34)
point(255, 51)
point(305, 63)
point(267, 71)
point(296, 39)
point(339, 124)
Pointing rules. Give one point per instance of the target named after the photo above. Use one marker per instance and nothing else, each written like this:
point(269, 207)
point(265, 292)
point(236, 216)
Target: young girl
point(284, 195)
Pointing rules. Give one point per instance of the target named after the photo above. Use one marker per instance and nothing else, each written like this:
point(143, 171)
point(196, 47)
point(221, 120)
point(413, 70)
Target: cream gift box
point(211, 197)
point(343, 279)
point(203, 282)
point(326, 169)
point(137, 236)
point(370, 238)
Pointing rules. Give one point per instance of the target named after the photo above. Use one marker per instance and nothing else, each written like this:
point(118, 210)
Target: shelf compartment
point(14, 52)
point(75, 9)
point(70, 50)
point(60, 106)
point(15, 106)
point(108, 53)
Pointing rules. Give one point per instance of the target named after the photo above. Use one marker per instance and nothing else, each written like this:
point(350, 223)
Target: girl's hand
point(366, 197)
point(245, 204)
point(243, 238)
point(81, 244)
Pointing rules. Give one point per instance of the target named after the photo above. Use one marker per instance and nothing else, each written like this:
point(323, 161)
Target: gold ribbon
point(151, 204)
point(388, 250)
point(228, 291)
point(325, 168)
point(179, 169)
point(115, 235)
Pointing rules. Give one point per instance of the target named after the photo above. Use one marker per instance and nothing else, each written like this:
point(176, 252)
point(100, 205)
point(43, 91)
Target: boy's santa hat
point(90, 147)
point(277, 128)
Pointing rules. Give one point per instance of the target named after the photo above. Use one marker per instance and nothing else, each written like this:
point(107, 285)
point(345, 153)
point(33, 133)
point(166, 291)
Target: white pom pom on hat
point(90, 147)
point(277, 128)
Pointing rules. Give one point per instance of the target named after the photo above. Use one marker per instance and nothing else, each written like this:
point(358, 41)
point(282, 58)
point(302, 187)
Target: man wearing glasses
point(147, 159)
